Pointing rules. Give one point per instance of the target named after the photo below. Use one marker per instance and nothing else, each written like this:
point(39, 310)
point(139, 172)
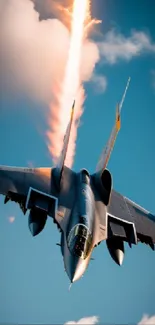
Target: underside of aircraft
point(85, 208)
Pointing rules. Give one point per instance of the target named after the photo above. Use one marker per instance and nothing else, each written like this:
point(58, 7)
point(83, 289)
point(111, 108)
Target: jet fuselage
point(77, 241)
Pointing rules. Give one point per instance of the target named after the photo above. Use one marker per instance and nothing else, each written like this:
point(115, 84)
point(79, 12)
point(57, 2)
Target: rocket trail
point(71, 88)
point(72, 73)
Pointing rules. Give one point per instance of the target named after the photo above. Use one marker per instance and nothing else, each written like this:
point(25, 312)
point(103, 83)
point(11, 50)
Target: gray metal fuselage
point(79, 213)
point(79, 221)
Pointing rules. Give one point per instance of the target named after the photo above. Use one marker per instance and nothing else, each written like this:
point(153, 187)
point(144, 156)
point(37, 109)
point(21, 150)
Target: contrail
point(39, 53)
point(72, 73)
point(71, 87)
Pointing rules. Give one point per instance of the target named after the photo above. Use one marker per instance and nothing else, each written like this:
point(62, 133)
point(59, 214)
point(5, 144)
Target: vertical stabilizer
point(110, 144)
point(62, 157)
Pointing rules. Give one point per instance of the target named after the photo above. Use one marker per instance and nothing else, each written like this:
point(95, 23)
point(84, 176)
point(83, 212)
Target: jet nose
point(73, 273)
point(77, 268)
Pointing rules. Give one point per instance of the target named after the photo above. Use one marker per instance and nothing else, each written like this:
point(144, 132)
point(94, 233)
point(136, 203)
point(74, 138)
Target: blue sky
point(33, 284)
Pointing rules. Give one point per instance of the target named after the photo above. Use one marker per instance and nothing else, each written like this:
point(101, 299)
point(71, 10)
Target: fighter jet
point(85, 207)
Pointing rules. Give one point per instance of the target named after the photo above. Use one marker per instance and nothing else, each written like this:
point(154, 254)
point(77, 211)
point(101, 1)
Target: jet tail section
point(110, 144)
point(61, 161)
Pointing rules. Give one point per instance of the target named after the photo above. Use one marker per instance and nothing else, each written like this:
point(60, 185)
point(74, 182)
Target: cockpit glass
point(79, 241)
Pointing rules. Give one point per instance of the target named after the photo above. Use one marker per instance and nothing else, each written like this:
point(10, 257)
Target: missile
point(116, 249)
point(36, 221)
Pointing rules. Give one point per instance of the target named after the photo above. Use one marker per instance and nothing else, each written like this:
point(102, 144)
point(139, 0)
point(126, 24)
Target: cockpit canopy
point(79, 241)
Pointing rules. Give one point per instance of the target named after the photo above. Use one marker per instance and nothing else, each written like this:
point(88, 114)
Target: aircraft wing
point(129, 221)
point(15, 182)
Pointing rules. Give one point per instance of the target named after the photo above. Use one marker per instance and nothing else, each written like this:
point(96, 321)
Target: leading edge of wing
point(141, 210)
point(18, 184)
point(125, 209)
point(19, 179)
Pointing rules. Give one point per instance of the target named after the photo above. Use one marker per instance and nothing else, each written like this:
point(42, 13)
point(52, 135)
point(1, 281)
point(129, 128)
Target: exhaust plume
point(34, 61)
point(71, 83)
point(146, 320)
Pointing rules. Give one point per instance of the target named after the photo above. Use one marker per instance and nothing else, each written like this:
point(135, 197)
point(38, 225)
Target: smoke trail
point(71, 87)
point(33, 57)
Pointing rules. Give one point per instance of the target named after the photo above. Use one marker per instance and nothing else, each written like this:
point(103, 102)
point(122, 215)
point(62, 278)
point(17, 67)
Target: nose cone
point(76, 269)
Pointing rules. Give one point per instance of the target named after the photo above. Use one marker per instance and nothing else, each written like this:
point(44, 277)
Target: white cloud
point(33, 53)
point(92, 320)
point(33, 57)
point(11, 219)
point(146, 320)
point(100, 83)
point(116, 46)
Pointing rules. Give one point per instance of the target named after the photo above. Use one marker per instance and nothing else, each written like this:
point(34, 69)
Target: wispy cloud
point(33, 52)
point(116, 46)
point(92, 320)
point(33, 58)
point(100, 83)
point(11, 219)
point(146, 320)
point(30, 50)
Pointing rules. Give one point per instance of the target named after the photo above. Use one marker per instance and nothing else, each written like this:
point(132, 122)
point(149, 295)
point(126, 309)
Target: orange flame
point(66, 14)
point(71, 87)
